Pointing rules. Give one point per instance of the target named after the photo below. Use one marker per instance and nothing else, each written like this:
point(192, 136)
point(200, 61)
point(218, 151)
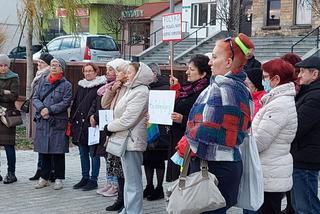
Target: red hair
point(239, 59)
point(293, 59)
point(281, 68)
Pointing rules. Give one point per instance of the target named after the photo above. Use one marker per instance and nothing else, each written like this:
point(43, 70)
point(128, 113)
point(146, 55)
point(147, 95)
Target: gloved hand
point(108, 133)
point(183, 146)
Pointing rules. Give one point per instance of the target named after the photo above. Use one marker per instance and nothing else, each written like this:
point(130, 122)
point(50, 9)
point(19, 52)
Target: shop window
point(203, 13)
point(303, 12)
point(273, 12)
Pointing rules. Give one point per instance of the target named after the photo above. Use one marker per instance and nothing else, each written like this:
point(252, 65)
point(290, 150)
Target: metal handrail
point(316, 29)
point(196, 32)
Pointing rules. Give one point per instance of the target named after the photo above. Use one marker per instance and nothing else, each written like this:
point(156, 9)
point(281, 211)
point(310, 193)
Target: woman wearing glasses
point(220, 118)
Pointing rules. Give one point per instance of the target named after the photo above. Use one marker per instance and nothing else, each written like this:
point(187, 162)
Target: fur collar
point(99, 80)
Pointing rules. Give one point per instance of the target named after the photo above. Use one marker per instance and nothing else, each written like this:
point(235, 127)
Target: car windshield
point(102, 43)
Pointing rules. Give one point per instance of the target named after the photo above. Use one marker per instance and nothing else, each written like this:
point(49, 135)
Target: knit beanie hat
point(61, 62)
point(4, 59)
point(46, 57)
point(116, 63)
point(255, 76)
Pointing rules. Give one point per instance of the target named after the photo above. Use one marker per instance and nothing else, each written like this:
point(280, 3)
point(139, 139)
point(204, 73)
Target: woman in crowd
point(254, 83)
point(198, 75)
point(157, 151)
point(100, 149)
point(85, 95)
point(130, 123)
point(109, 100)
point(43, 70)
point(220, 118)
point(293, 59)
point(9, 89)
point(274, 128)
point(51, 100)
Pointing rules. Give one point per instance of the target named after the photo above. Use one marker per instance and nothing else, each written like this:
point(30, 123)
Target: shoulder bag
point(195, 193)
point(118, 146)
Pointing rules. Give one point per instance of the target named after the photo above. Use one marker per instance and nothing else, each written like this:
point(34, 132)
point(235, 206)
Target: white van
point(82, 47)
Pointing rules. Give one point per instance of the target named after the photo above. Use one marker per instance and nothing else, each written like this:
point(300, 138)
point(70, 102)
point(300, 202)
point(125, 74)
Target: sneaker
point(10, 178)
point(81, 183)
point(58, 184)
point(91, 185)
point(148, 191)
point(117, 205)
point(41, 184)
point(113, 191)
point(104, 189)
point(36, 176)
point(156, 194)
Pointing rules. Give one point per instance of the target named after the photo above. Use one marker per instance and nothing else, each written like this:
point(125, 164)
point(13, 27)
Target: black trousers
point(58, 166)
point(272, 203)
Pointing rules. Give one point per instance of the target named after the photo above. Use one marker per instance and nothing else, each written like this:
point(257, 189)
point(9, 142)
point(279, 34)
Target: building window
point(203, 13)
point(303, 12)
point(273, 12)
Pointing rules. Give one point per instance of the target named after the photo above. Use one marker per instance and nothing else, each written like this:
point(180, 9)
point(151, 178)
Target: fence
point(74, 73)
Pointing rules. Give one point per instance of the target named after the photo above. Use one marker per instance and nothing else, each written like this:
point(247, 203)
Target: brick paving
point(22, 198)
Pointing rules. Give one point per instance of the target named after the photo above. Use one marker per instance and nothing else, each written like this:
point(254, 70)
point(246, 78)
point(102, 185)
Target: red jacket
point(256, 100)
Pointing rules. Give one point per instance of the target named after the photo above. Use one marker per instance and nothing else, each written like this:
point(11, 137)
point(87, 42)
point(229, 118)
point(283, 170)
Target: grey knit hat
point(61, 62)
point(4, 59)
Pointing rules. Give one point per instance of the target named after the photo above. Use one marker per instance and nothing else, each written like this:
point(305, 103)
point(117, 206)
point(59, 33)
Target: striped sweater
point(219, 119)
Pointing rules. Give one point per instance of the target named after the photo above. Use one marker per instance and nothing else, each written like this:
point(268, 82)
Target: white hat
point(116, 63)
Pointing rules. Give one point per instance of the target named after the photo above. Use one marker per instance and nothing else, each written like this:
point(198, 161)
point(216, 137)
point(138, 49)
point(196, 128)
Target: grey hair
point(155, 68)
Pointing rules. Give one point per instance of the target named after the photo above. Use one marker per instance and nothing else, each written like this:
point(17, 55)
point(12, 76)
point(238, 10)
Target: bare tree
point(36, 12)
point(112, 17)
point(315, 5)
point(230, 14)
point(3, 38)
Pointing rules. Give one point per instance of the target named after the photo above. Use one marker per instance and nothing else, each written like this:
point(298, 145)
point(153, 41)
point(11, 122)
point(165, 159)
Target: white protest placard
point(94, 135)
point(161, 104)
point(172, 27)
point(105, 117)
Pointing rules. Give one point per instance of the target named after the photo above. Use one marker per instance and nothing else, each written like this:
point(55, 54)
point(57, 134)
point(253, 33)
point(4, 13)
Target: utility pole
point(171, 57)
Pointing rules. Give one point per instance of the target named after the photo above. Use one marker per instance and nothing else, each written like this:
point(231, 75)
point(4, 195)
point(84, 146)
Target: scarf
point(103, 89)
point(54, 78)
point(9, 75)
point(39, 74)
point(193, 87)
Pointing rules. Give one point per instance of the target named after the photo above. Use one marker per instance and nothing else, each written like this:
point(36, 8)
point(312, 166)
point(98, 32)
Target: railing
point(310, 33)
point(196, 32)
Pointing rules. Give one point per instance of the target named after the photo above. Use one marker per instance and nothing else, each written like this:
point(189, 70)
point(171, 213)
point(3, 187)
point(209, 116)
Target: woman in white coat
point(274, 128)
point(130, 122)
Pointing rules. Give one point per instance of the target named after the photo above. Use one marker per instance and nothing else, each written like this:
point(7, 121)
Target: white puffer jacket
point(274, 128)
point(130, 111)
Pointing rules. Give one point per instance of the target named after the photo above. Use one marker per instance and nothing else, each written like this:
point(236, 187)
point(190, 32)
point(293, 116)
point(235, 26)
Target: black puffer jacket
point(305, 148)
point(84, 98)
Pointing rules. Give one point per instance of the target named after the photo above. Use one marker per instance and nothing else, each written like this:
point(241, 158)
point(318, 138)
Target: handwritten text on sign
point(172, 27)
point(161, 104)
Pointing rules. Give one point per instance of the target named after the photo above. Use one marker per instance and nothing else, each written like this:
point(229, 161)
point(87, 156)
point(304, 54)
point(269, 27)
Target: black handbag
point(25, 106)
point(12, 118)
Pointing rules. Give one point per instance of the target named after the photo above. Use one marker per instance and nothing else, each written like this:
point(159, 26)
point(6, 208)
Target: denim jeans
point(133, 189)
point(305, 191)
point(85, 157)
point(11, 157)
point(249, 212)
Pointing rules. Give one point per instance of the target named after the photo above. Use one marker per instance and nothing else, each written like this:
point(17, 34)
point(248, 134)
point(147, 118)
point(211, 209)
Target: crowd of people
point(226, 94)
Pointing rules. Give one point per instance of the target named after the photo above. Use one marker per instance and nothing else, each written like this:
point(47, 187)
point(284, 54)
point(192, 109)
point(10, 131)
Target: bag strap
point(51, 90)
point(185, 167)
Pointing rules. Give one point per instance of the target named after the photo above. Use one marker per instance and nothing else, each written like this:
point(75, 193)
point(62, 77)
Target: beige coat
point(130, 111)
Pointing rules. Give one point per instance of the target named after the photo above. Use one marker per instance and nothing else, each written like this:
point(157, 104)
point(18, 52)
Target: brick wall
point(287, 16)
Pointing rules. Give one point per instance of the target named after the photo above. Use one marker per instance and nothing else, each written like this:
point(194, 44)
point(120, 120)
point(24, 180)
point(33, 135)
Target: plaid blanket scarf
point(219, 119)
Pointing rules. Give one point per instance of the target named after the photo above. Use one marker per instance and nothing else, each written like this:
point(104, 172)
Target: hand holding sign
point(105, 117)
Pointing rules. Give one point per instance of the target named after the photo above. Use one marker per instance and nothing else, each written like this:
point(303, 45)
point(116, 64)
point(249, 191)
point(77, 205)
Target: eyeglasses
point(229, 40)
point(3, 65)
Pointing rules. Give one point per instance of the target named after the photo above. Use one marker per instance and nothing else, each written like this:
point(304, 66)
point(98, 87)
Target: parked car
point(81, 47)
point(20, 51)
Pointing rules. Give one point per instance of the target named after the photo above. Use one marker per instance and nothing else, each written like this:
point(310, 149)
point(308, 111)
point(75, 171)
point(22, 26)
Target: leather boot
point(156, 194)
point(117, 205)
point(0, 178)
point(36, 176)
point(10, 178)
point(148, 191)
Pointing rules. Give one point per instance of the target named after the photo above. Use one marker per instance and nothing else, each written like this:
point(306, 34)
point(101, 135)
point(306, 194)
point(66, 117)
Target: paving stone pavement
point(22, 198)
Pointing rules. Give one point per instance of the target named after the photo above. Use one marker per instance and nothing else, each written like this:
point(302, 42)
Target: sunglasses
point(229, 40)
